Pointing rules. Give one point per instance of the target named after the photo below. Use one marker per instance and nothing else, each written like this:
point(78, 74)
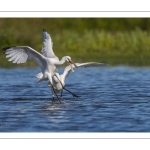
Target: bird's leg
point(51, 82)
point(61, 93)
point(74, 95)
point(52, 94)
point(56, 94)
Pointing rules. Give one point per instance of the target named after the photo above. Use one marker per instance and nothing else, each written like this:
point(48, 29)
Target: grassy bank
point(115, 47)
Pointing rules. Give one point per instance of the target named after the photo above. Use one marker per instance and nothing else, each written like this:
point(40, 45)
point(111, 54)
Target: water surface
point(113, 99)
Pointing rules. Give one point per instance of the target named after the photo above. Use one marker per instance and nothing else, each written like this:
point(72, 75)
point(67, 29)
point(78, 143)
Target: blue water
point(113, 99)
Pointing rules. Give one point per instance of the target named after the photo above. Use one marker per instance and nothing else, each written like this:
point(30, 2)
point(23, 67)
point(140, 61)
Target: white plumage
point(59, 80)
point(47, 60)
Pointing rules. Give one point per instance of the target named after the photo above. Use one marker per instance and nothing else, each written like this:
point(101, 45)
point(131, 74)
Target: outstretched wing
point(47, 50)
point(88, 64)
point(20, 54)
point(91, 64)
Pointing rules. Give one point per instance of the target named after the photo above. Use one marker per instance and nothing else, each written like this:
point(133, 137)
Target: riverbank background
point(116, 41)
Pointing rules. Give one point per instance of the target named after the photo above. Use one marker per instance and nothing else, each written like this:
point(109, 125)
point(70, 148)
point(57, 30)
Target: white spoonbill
point(59, 80)
point(47, 60)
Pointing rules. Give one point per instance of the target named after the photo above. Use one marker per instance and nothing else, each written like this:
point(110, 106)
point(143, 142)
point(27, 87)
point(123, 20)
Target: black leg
point(53, 98)
point(74, 95)
point(61, 93)
point(56, 94)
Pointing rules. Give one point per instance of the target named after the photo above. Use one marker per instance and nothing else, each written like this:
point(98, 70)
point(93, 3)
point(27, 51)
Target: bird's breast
point(58, 86)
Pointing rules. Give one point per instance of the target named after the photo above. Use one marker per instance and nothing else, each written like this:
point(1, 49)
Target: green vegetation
point(114, 41)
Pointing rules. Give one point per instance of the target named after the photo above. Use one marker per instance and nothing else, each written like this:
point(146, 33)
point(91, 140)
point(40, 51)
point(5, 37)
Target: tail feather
point(38, 81)
point(39, 75)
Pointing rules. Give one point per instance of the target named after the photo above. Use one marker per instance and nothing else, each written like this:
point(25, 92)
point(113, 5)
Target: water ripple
point(115, 99)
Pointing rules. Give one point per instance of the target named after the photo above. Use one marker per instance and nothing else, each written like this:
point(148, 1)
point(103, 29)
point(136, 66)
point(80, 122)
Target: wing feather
point(13, 57)
point(91, 64)
point(47, 50)
point(11, 54)
point(16, 60)
point(88, 64)
point(39, 75)
point(20, 54)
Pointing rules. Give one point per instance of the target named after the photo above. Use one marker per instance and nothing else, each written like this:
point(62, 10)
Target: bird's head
point(68, 59)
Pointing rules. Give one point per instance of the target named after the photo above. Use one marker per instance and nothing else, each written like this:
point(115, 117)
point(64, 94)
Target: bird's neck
point(62, 61)
point(62, 79)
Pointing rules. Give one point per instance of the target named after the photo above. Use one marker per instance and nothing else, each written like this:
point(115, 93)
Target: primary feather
point(84, 65)
point(20, 54)
point(47, 50)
